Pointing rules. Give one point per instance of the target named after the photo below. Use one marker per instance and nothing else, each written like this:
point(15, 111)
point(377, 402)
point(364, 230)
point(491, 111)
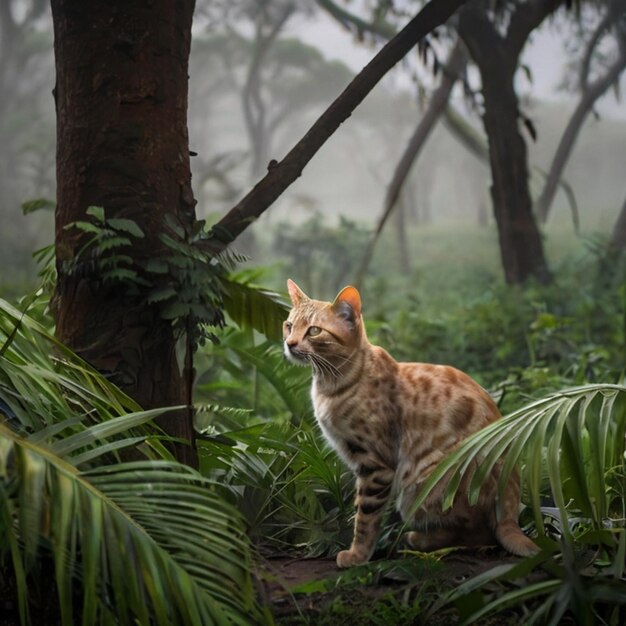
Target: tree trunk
point(618, 237)
point(122, 144)
point(402, 244)
point(455, 65)
point(610, 265)
point(521, 248)
point(496, 57)
point(571, 132)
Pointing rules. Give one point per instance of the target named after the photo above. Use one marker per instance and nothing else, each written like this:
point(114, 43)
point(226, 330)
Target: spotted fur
point(392, 423)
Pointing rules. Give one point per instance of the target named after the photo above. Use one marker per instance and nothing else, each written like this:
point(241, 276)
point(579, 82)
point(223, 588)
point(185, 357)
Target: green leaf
point(122, 274)
point(111, 243)
point(155, 265)
point(175, 310)
point(546, 428)
point(97, 212)
point(251, 306)
point(514, 598)
point(37, 205)
point(86, 227)
point(154, 542)
point(99, 432)
point(159, 295)
point(128, 226)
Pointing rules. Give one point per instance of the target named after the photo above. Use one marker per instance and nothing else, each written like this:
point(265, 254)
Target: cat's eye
point(288, 326)
point(314, 331)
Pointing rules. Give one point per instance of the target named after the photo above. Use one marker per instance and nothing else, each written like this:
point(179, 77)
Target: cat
point(391, 423)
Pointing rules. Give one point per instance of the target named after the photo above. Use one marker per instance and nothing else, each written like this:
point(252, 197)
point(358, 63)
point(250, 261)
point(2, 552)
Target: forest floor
point(316, 592)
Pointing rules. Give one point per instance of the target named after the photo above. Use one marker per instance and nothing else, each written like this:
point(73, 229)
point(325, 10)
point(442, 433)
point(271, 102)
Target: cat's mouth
point(296, 356)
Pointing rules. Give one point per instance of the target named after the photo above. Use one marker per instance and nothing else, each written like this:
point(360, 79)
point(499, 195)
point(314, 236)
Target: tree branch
point(253, 105)
point(570, 134)
point(345, 18)
point(585, 66)
point(525, 19)
point(281, 175)
point(454, 66)
point(466, 135)
point(460, 130)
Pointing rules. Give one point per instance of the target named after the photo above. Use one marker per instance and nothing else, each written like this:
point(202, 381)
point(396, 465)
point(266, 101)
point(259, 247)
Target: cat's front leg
point(373, 489)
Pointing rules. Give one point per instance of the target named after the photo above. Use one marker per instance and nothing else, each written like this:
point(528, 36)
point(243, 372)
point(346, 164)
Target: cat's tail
point(506, 529)
point(511, 538)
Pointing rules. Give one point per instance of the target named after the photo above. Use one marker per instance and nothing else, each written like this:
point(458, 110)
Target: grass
point(262, 453)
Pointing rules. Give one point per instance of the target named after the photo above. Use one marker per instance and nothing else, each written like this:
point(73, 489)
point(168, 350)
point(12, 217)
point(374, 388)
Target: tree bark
point(589, 96)
point(521, 248)
point(122, 144)
point(496, 57)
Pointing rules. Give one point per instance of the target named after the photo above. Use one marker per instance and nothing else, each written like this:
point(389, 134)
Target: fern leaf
point(251, 306)
point(159, 521)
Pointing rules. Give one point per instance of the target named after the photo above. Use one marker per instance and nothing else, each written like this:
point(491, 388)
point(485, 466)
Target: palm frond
point(251, 306)
point(149, 541)
point(288, 381)
point(291, 489)
point(41, 380)
point(50, 393)
point(570, 446)
point(591, 596)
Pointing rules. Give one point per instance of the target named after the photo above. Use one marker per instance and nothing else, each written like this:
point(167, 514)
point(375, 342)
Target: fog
point(310, 61)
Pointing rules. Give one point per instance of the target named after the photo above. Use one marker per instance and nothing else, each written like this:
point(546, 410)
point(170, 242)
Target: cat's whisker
point(346, 359)
point(320, 365)
point(324, 366)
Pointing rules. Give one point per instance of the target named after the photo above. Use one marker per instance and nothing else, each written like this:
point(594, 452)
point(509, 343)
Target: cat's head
point(323, 334)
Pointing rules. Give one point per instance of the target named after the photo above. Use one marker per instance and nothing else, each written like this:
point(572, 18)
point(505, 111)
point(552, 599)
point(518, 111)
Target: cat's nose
point(291, 344)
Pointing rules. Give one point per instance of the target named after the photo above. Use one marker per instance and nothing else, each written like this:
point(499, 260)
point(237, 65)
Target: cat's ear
point(348, 296)
point(295, 293)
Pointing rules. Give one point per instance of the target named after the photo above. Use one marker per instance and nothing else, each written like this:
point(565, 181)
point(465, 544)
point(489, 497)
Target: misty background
point(243, 113)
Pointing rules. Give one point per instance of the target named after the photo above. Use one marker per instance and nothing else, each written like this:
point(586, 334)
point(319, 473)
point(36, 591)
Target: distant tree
point(598, 70)
point(276, 79)
point(24, 76)
point(454, 66)
point(269, 20)
point(282, 173)
point(618, 236)
point(19, 44)
point(495, 40)
point(495, 43)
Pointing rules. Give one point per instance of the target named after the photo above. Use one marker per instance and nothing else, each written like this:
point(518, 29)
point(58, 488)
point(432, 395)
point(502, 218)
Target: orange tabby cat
point(392, 423)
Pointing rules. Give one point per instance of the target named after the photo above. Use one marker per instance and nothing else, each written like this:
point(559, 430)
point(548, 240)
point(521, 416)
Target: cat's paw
point(350, 558)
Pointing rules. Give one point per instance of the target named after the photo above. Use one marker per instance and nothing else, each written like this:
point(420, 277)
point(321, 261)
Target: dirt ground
point(281, 578)
point(285, 574)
